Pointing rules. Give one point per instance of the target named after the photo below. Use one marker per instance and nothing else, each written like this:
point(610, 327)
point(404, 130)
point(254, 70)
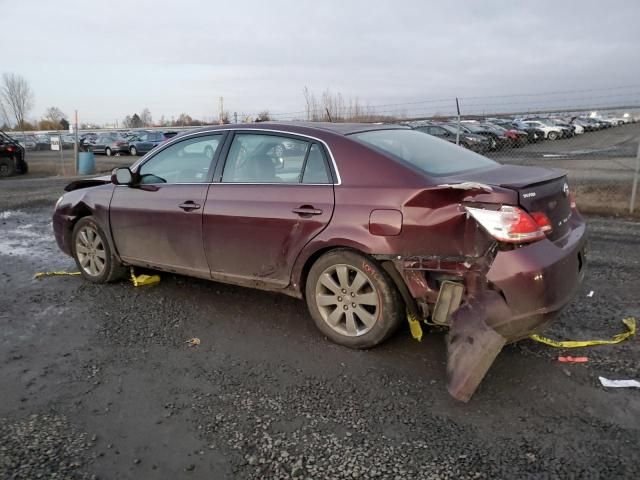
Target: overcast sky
point(112, 58)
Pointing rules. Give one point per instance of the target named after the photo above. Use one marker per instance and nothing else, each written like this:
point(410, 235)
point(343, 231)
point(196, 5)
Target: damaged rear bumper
point(508, 295)
point(536, 281)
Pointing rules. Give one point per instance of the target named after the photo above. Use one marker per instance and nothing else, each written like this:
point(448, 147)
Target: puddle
point(27, 234)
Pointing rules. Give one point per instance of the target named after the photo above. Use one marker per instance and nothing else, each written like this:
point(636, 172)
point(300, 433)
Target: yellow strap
point(51, 274)
point(631, 330)
point(415, 327)
point(137, 280)
point(142, 280)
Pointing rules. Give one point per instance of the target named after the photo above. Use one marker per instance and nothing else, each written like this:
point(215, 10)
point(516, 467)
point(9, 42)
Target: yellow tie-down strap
point(415, 327)
point(137, 280)
point(631, 330)
point(53, 274)
point(142, 280)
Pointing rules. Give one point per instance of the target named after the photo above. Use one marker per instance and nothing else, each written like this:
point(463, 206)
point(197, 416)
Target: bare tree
point(263, 116)
point(54, 115)
point(16, 95)
point(145, 117)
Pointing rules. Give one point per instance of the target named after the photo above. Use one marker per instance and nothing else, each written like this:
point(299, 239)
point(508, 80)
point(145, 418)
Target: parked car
point(551, 132)
point(477, 143)
point(517, 137)
point(43, 142)
point(88, 140)
point(533, 134)
point(12, 156)
point(497, 137)
point(28, 142)
point(370, 222)
point(111, 143)
point(144, 142)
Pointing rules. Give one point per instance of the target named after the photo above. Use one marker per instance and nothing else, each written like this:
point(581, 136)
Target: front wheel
point(108, 152)
point(133, 151)
point(92, 253)
point(352, 299)
point(552, 136)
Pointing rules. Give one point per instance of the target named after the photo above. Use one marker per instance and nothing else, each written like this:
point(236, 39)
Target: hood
point(87, 182)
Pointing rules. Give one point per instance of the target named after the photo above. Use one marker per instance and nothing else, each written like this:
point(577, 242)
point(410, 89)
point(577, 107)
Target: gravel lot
point(98, 382)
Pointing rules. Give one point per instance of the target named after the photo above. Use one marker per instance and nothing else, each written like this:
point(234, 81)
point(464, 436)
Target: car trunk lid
point(539, 190)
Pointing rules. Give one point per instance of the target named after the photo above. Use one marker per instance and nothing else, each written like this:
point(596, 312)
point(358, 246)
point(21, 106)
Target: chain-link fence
point(596, 143)
point(598, 151)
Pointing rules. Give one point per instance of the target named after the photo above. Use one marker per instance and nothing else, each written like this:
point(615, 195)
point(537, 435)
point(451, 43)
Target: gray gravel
point(103, 377)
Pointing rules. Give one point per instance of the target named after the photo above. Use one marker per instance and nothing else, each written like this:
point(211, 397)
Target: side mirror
point(122, 176)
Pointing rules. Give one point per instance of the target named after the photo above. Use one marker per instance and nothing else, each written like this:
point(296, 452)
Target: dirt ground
point(99, 382)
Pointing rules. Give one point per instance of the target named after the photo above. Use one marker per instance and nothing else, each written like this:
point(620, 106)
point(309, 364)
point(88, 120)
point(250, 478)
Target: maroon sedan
point(368, 223)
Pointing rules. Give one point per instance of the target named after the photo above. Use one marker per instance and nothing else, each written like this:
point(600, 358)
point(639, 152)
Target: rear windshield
point(427, 153)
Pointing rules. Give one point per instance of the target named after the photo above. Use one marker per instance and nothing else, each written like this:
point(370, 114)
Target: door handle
point(307, 211)
point(189, 205)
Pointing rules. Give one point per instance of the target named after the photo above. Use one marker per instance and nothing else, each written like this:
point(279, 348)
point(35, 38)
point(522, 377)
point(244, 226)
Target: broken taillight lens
point(543, 221)
point(508, 224)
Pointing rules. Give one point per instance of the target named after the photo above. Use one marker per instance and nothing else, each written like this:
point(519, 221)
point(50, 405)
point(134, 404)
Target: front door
point(158, 222)
point(274, 196)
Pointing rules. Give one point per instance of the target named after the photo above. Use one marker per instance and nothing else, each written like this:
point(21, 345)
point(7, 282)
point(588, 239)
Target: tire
point(91, 249)
point(552, 135)
point(378, 311)
point(7, 167)
point(133, 151)
point(108, 152)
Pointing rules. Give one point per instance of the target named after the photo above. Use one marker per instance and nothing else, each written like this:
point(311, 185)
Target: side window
point(257, 158)
point(187, 161)
point(315, 171)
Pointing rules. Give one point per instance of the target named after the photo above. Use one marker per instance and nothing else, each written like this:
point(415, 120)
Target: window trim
point(336, 179)
point(214, 161)
point(224, 154)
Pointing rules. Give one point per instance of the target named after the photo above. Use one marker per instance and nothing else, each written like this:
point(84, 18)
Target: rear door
point(273, 195)
point(158, 222)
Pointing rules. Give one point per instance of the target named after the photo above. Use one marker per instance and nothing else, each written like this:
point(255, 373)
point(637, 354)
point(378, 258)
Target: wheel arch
point(299, 279)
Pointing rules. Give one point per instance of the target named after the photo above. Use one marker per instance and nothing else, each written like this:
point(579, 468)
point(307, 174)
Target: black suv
point(11, 156)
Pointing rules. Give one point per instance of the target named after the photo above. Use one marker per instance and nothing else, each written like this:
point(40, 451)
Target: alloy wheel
point(90, 251)
point(347, 300)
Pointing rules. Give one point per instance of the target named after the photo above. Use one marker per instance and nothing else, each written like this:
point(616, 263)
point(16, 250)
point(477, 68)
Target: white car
point(550, 132)
point(577, 129)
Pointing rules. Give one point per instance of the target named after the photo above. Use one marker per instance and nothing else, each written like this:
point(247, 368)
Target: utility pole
point(458, 130)
point(75, 145)
point(221, 113)
point(235, 117)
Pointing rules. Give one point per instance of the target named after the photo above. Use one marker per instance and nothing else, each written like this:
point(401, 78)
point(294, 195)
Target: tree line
point(16, 101)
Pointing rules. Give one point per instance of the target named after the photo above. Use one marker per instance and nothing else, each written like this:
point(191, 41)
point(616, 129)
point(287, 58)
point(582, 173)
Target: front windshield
point(429, 154)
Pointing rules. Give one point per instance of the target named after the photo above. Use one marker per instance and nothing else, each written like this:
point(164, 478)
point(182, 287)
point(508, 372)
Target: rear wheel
point(133, 151)
point(92, 253)
point(352, 299)
point(7, 167)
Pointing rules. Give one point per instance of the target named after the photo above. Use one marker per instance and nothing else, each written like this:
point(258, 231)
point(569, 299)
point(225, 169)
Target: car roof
point(307, 127)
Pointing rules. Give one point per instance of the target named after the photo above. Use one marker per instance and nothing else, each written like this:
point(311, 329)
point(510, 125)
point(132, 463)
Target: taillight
point(543, 221)
point(508, 224)
point(120, 143)
point(572, 201)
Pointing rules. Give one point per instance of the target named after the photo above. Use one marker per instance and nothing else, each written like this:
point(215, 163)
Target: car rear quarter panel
point(434, 222)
